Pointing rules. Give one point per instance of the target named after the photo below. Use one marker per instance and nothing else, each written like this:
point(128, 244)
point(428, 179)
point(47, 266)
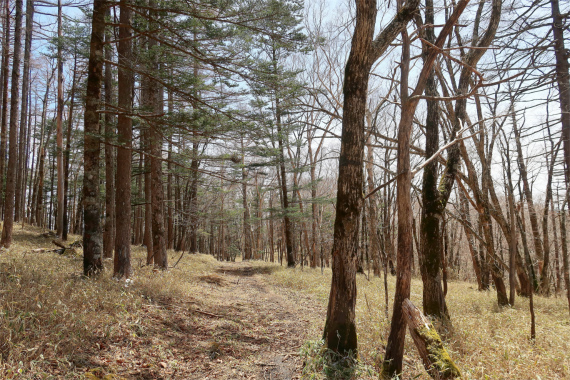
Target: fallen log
point(63, 247)
point(59, 243)
point(435, 357)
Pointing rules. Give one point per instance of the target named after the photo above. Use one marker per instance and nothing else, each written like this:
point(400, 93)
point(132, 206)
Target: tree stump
point(435, 357)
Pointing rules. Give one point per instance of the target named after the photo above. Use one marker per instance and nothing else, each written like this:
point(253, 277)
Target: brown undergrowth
point(487, 343)
point(200, 320)
point(210, 320)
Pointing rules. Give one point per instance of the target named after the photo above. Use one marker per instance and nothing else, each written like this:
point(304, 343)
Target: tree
point(9, 200)
point(392, 364)
point(340, 329)
point(435, 196)
point(122, 260)
point(92, 236)
point(280, 38)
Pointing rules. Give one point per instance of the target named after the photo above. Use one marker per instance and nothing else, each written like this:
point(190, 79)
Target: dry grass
point(487, 344)
point(203, 319)
point(54, 323)
point(228, 321)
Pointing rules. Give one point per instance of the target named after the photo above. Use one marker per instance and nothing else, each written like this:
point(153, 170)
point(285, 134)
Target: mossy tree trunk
point(435, 357)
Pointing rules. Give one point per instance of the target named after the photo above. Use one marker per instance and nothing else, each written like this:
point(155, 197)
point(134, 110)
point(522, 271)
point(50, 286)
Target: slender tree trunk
point(155, 139)
point(5, 79)
point(59, 121)
point(92, 237)
point(44, 139)
point(513, 240)
point(467, 226)
point(538, 247)
point(562, 79)
point(247, 250)
point(284, 193)
point(13, 147)
point(109, 226)
point(558, 284)
point(393, 358)
point(67, 153)
point(145, 142)
point(564, 244)
point(122, 262)
point(372, 210)
point(20, 184)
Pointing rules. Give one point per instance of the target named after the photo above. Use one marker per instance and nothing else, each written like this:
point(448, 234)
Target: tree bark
point(564, 243)
point(68, 152)
point(5, 79)
point(340, 329)
point(562, 80)
point(528, 196)
point(122, 261)
point(20, 184)
point(92, 239)
point(59, 122)
point(13, 147)
point(372, 210)
point(435, 357)
point(155, 137)
point(109, 226)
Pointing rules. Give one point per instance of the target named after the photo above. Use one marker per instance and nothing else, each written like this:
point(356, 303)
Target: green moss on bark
point(438, 354)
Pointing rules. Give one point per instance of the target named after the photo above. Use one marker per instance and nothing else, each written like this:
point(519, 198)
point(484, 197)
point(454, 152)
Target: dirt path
point(239, 326)
point(268, 325)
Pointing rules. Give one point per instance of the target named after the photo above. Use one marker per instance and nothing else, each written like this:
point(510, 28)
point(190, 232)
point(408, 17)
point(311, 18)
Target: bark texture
point(92, 234)
point(9, 200)
point(122, 261)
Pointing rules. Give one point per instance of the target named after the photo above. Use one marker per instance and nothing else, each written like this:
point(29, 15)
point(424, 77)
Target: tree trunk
point(44, 139)
point(435, 357)
point(155, 139)
point(467, 227)
point(20, 184)
point(109, 226)
point(562, 79)
point(13, 147)
point(145, 142)
point(92, 239)
point(193, 194)
point(564, 244)
point(431, 249)
point(5, 79)
point(372, 210)
point(340, 328)
point(247, 252)
point(284, 193)
point(68, 153)
point(59, 134)
point(528, 196)
point(122, 262)
point(392, 364)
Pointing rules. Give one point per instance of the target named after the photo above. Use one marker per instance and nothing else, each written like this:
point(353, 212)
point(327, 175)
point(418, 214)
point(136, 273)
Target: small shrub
point(320, 362)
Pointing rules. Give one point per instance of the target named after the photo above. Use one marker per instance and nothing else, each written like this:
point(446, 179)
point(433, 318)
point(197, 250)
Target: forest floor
point(201, 320)
point(205, 319)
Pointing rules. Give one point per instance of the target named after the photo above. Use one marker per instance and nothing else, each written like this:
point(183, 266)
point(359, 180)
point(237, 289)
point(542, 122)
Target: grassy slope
point(487, 344)
point(55, 324)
